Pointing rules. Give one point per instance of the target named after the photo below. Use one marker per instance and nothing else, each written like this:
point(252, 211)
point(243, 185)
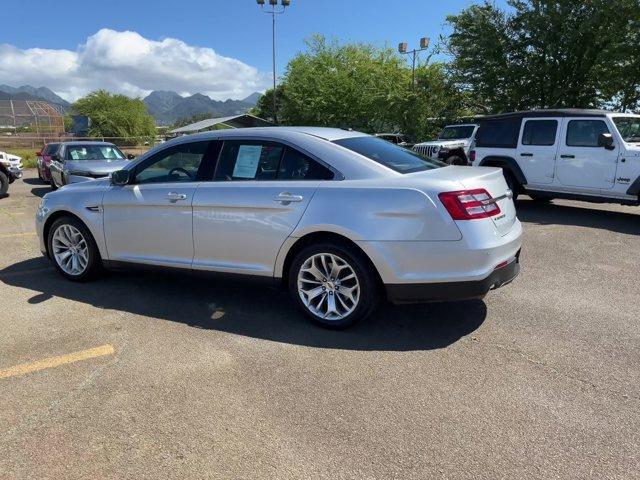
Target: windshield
point(396, 158)
point(629, 128)
point(94, 152)
point(456, 133)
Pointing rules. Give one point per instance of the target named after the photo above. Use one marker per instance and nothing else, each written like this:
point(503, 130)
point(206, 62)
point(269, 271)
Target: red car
point(44, 160)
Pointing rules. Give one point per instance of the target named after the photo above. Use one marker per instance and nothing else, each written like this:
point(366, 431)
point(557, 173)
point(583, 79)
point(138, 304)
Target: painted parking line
point(52, 362)
point(25, 234)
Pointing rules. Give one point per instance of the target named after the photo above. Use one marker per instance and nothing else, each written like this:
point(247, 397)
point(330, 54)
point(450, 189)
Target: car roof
point(80, 142)
point(325, 133)
point(558, 112)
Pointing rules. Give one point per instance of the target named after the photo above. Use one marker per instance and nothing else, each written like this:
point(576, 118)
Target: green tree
point(114, 115)
point(365, 88)
point(264, 107)
point(545, 53)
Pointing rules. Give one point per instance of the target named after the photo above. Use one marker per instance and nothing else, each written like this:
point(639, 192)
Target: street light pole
point(274, 11)
point(402, 48)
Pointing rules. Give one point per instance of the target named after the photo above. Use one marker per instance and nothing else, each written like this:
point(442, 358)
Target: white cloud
point(126, 62)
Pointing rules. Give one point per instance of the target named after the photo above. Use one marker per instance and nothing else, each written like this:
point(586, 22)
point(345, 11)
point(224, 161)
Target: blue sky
point(234, 29)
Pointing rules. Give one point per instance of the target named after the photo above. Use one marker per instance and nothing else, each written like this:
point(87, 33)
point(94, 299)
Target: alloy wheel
point(328, 286)
point(70, 249)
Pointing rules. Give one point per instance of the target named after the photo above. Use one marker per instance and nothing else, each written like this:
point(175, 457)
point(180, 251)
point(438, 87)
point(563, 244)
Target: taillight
point(469, 204)
point(472, 156)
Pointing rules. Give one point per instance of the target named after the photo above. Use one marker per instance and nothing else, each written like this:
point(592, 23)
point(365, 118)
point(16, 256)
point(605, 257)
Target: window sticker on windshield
point(247, 161)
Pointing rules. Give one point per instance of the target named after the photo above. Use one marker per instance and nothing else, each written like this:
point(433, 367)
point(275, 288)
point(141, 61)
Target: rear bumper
point(450, 291)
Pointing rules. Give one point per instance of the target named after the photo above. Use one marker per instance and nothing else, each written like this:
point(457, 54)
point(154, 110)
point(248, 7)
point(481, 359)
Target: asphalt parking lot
point(141, 375)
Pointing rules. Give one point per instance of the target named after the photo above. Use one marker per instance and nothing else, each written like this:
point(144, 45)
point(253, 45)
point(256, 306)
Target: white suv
point(589, 155)
point(452, 146)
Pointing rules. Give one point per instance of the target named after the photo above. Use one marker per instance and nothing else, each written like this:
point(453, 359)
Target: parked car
point(10, 170)
point(587, 155)
point(82, 161)
point(43, 159)
point(452, 146)
point(340, 218)
point(397, 138)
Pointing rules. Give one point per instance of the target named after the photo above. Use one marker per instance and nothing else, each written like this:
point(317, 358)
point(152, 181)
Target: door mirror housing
point(606, 140)
point(119, 177)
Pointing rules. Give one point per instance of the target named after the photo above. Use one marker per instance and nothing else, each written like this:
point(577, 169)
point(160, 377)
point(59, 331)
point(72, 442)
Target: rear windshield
point(457, 133)
point(93, 152)
point(392, 156)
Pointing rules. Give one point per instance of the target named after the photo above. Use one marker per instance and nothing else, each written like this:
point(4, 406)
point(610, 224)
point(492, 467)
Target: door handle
point(286, 198)
point(567, 156)
point(526, 154)
point(174, 197)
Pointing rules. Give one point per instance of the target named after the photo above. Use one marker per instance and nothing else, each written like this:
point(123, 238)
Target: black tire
point(367, 280)
point(4, 184)
point(53, 184)
point(455, 160)
point(94, 264)
point(512, 183)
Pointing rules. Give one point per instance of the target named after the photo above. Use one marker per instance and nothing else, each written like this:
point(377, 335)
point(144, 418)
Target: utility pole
point(402, 48)
point(274, 11)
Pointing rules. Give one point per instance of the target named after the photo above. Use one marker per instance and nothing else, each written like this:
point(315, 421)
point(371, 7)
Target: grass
point(28, 156)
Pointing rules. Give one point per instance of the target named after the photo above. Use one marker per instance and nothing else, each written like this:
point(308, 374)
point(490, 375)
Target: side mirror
point(119, 177)
point(38, 154)
point(606, 140)
point(130, 156)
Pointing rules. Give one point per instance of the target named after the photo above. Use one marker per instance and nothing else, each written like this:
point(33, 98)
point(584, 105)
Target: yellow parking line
point(52, 362)
point(25, 234)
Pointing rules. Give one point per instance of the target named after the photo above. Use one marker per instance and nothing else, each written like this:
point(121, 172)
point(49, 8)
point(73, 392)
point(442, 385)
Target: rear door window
point(540, 132)
point(585, 133)
point(264, 160)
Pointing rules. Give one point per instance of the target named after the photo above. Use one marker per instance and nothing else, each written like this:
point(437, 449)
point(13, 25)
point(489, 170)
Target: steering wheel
point(176, 170)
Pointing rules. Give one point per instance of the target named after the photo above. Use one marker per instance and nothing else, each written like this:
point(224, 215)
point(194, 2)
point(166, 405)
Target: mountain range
point(27, 92)
point(167, 107)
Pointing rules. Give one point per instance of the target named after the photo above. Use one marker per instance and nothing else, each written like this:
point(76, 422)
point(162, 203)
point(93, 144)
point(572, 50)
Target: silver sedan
point(339, 218)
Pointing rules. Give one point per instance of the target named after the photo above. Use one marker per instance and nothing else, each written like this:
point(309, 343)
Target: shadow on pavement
point(33, 181)
point(250, 310)
point(554, 214)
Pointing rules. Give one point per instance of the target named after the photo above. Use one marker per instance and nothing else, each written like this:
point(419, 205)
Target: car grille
point(427, 150)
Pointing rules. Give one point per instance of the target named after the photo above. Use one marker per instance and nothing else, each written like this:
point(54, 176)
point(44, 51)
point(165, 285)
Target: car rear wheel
point(73, 249)
point(333, 285)
point(4, 184)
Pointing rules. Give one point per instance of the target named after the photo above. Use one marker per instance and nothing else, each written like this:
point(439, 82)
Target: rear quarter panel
point(377, 214)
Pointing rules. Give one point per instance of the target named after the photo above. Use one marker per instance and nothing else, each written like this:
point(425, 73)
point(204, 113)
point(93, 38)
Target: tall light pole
point(274, 11)
point(402, 48)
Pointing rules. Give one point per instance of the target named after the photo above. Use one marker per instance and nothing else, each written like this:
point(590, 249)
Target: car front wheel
point(333, 285)
point(73, 249)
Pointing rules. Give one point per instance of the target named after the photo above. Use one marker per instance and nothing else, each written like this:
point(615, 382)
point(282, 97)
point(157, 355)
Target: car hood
point(445, 143)
point(95, 167)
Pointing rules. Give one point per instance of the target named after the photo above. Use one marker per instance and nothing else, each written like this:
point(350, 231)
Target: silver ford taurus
point(340, 218)
point(81, 161)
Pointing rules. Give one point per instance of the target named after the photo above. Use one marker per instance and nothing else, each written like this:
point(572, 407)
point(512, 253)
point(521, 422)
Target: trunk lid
point(469, 178)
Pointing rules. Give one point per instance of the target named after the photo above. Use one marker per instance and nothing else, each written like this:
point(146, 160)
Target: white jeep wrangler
point(452, 146)
point(589, 155)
